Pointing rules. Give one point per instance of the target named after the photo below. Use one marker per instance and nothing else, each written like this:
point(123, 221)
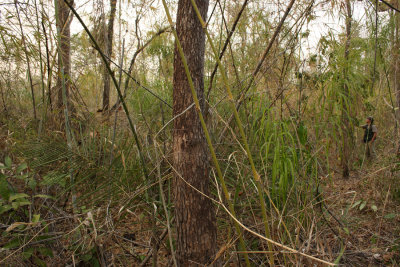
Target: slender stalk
point(27, 60)
point(68, 131)
point(230, 33)
point(49, 67)
point(131, 126)
point(164, 203)
point(41, 70)
point(242, 133)
point(206, 133)
point(241, 96)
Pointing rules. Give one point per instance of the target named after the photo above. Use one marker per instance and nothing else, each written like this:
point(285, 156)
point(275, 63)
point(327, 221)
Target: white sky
point(325, 21)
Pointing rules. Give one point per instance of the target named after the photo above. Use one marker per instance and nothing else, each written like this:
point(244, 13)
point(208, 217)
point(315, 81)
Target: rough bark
point(108, 51)
point(195, 216)
point(64, 57)
point(346, 113)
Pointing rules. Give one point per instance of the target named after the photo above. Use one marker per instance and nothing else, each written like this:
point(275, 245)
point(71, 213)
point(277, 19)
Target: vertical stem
point(49, 68)
point(376, 46)
point(40, 52)
point(41, 69)
point(207, 135)
point(346, 113)
point(27, 60)
point(256, 176)
point(65, 100)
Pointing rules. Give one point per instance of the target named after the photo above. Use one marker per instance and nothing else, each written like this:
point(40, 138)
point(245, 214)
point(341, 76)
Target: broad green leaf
point(4, 188)
point(362, 206)
point(7, 162)
point(22, 177)
point(27, 253)
point(17, 196)
point(24, 202)
point(39, 262)
point(22, 167)
point(32, 183)
point(46, 251)
point(86, 257)
point(374, 208)
point(12, 244)
point(15, 205)
point(36, 218)
point(390, 216)
point(4, 208)
point(356, 204)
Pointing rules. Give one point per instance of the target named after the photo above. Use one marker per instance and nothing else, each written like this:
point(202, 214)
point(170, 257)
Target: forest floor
point(364, 211)
point(359, 222)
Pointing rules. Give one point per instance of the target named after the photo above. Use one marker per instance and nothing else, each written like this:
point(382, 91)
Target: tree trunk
point(346, 113)
point(64, 56)
point(396, 66)
point(195, 216)
point(108, 52)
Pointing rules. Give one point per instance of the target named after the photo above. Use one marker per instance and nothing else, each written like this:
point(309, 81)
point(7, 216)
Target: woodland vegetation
point(199, 133)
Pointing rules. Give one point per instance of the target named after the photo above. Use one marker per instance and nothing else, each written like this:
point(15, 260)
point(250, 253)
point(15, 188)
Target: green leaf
point(46, 251)
point(15, 205)
point(32, 184)
point(362, 206)
point(39, 262)
point(17, 196)
point(356, 204)
point(22, 167)
point(22, 177)
point(7, 162)
point(43, 196)
point(35, 218)
point(390, 216)
point(4, 188)
point(27, 253)
point(340, 254)
point(12, 244)
point(23, 202)
point(374, 208)
point(346, 230)
point(5, 208)
point(86, 257)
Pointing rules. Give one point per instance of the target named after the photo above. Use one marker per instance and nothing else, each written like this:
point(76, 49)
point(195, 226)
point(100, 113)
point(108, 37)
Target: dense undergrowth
point(90, 205)
point(84, 200)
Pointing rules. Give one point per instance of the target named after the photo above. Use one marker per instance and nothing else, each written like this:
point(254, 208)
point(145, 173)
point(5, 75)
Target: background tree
point(63, 23)
point(108, 52)
point(346, 110)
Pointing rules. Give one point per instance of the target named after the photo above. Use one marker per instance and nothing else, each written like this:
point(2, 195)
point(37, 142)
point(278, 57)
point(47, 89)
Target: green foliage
point(16, 205)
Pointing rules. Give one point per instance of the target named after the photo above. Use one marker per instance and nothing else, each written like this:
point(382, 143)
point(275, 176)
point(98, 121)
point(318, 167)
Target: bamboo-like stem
point(40, 52)
point(241, 96)
point(49, 67)
point(124, 106)
point(68, 131)
point(206, 133)
point(242, 133)
point(227, 41)
point(164, 203)
point(41, 71)
point(27, 60)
